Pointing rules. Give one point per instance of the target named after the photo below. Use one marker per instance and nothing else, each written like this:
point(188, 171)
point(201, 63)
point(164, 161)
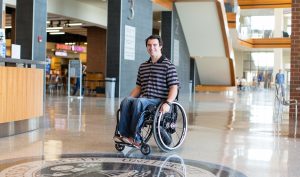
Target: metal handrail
point(289, 103)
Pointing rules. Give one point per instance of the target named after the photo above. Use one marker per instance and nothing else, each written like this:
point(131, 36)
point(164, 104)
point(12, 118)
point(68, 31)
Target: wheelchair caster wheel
point(145, 149)
point(119, 147)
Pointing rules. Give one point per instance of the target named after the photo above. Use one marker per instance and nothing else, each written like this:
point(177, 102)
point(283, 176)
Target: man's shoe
point(117, 139)
point(127, 140)
point(137, 144)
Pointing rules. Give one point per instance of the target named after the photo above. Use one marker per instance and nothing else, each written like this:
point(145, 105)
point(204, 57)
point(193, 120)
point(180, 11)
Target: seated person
point(157, 82)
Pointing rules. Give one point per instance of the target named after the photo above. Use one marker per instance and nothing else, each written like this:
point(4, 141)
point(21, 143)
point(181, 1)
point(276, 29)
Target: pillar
point(277, 33)
point(96, 50)
point(129, 23)
point(176, 49)
point(2, 14)
point(31, 16)
point(167, 33)
point(295, 68)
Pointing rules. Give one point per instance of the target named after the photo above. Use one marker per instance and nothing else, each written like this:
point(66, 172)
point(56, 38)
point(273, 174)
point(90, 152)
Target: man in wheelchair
point(157, 82)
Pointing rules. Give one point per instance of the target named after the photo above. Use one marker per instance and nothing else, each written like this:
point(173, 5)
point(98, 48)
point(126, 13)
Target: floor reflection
point(117, 165)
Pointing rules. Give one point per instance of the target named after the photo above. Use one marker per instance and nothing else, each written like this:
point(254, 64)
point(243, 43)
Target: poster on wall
point(2, 43)
point(15, 51)
point(176, 52)
point(129, 46)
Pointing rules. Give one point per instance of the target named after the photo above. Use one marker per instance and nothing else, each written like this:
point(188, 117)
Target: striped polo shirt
point(156, 78)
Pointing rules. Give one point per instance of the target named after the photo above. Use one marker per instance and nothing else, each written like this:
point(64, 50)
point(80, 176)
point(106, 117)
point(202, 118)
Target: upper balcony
point(260, 23)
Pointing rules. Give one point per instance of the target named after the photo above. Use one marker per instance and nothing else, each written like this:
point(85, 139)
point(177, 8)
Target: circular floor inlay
point(115, 165)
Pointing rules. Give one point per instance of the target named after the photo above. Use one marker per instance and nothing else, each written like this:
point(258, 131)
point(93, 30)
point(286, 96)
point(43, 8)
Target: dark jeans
point(77, 85)
point(130, 112)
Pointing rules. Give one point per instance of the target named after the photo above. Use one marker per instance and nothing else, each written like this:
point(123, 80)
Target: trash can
point(191, 86)
point(191, 90)
point(110, 84)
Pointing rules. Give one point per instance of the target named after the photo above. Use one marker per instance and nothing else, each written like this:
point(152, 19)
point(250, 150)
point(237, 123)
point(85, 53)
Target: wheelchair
point(169, 129)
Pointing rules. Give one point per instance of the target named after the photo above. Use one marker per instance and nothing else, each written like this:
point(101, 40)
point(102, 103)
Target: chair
point(169, 129)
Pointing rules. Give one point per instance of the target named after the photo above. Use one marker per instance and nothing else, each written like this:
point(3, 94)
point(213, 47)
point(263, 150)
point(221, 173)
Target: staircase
point(206, 31)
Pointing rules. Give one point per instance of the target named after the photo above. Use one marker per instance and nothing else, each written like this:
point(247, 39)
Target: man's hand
point(165, 107)
point(171, 97)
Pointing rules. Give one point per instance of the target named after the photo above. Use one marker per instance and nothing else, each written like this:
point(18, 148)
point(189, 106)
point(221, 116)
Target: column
point(129, 23)
point(277, 33)
point(278, 23)
point(96, 50)
point(295, 68)
point(31, 16)
point(167, 33)
point(2, 14)
point(175, 48)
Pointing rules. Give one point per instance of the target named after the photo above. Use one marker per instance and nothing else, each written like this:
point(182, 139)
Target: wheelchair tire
point(170, 126)
point(145, 149)
point(119, 147)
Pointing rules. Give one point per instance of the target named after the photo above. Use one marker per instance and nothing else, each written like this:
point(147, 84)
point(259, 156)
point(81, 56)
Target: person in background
point(279, 81)
point(260, 80)
point(77, 85)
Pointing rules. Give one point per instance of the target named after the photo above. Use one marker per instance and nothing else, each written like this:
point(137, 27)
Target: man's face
point(153, 47)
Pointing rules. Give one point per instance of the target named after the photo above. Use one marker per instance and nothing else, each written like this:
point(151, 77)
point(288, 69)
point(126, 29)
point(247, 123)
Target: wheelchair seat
point(169, 129)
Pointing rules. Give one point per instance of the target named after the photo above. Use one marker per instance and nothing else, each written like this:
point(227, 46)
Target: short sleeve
point(172, 76)
point(138, 79)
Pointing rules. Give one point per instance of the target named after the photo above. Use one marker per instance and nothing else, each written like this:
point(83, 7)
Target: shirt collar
point(160, 60)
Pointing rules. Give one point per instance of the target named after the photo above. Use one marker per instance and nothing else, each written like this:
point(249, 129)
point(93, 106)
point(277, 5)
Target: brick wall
point(295, 66)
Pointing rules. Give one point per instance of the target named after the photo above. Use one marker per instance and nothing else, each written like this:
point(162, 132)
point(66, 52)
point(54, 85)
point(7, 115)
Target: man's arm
point(171, 97)
point(136, 91)
point(172, 93)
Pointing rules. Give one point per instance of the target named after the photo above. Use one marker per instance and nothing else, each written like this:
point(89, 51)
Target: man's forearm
point(172, 93)
point(135, 92)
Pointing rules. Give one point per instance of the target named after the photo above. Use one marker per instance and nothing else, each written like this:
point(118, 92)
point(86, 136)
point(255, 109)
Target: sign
point(15, 51)
point(129, 46)
point(2, 43)
point(75, 48)
point(75, 68)
point(61, 53)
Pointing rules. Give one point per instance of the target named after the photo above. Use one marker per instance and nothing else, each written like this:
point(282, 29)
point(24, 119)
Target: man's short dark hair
point(154, 36)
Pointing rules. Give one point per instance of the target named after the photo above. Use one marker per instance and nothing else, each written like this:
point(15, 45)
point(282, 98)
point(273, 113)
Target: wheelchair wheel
point(119, 147)
point(170, 128)
point(118, 120)
point(145, 149)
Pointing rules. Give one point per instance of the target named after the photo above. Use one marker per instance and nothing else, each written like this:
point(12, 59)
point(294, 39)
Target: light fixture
point(67, 23)
point(52, 30)
point(75, 24)
point(57, 33)
point(55, 28)
point(7, 27)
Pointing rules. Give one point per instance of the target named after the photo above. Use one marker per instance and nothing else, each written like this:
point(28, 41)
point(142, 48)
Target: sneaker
point(117, 138)
point(127, 140)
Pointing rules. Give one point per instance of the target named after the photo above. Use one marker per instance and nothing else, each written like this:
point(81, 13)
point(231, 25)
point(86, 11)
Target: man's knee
point(126, 101)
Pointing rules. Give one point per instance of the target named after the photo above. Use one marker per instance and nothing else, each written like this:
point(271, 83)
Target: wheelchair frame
point(158, 124)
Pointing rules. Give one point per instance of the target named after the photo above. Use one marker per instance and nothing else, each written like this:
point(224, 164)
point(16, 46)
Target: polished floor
point(229, 134)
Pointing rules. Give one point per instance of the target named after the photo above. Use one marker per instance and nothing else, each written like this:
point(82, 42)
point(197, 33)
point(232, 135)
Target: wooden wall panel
point(255, 4)
point(12, 101)
point(165, 3)
point(24, 93)
point(2, 93)
point(267, 43)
